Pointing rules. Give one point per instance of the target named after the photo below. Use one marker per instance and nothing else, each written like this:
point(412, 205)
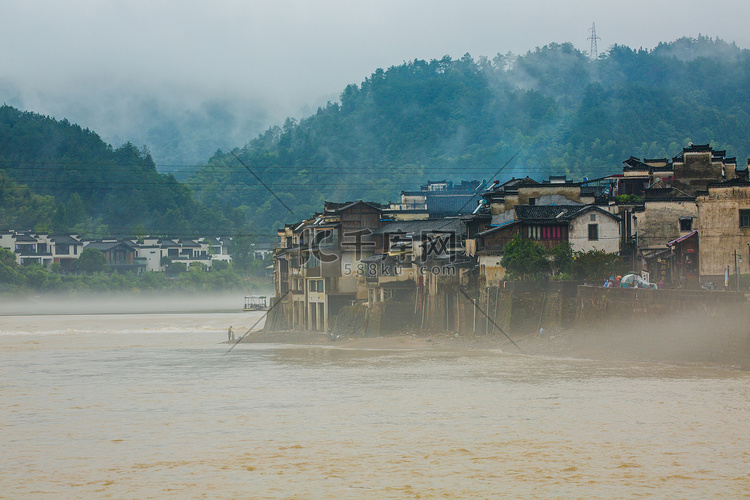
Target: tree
point(9, 268)
point(75, 212)
point(595, 266)
point(562, 259)
point(219, 265)
point(525, 259)
point(175, 268)
point(92, 261)
point(242, 252)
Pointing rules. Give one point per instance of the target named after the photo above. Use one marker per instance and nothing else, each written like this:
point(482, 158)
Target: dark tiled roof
point(731, 183)
point(168, 244)
point(65, 239)
point(106, 246)
point(452, 204)
point(553, 213)
point(425, 226)
point(546, 213)
point(330, 206)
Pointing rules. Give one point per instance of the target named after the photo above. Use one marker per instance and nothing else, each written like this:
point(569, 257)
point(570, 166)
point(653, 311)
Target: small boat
point(255, 303)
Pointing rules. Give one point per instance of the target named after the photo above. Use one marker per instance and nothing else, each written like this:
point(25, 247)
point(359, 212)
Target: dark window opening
point(744, 218)
point(686, 224)
point(593, 232)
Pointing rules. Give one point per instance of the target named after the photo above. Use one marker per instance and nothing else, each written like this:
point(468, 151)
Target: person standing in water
point(230, 334)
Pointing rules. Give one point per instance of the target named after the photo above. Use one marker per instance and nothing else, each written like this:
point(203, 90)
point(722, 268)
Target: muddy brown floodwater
point(149, 406)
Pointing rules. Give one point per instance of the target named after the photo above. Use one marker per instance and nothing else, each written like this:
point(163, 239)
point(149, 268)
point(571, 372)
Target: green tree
point(75, 212)
point(219, 265)
point(242, 252)
point(9, 268)
point(91, 261)
point(175, 268)
point(525, 259)
point(562, 259)
point(595, 266)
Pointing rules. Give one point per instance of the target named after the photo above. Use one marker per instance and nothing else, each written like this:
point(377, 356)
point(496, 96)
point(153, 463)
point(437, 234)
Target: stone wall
point(524, 307)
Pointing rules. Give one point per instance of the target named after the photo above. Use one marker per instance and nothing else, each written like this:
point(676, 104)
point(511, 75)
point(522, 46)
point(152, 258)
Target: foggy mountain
point(553, 110)
point(559, 111)
point(180, 129)
point(58, 177)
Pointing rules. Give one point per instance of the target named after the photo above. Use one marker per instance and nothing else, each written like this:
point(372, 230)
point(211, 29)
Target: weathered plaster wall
point(659, 223)
point(720, 231)
point(491, 269)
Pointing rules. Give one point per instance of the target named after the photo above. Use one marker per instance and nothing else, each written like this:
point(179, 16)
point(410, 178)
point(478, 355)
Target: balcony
point(33, 253)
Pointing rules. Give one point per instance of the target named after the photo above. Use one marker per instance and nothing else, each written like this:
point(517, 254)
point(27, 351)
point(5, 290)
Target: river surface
point(153, 406)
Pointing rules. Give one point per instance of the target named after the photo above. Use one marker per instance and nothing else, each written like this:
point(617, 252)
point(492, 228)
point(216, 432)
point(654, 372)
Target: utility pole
point(737, 269)
point(594, 52)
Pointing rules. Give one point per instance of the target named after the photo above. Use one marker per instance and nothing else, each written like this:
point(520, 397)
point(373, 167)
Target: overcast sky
point(74, 57)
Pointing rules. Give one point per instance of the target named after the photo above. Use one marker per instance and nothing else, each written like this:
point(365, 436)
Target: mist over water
point(125, 303)
point(150, 405)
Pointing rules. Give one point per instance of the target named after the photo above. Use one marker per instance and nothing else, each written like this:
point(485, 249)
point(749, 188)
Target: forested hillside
point(465, 118)
point(550, 111)
point(58, 177)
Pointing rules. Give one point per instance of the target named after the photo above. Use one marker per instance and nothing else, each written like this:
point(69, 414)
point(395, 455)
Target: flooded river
point(151, 406)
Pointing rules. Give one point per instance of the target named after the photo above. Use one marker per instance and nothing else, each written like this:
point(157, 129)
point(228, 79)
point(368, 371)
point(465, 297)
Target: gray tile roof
point(425, 226)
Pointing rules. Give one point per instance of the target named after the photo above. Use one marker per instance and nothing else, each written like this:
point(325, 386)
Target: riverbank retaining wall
point(667, 325)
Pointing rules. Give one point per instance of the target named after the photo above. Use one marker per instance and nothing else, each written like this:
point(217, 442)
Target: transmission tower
point(593, 53)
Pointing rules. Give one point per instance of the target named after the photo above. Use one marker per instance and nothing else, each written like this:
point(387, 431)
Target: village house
point(414, 275)
point(688, 172)
point(557, 190)
point(666, 216)
point(316, 264)
point(584, 227)
point(120, 255)
point(29, 247)
point(436, 200)
point(136, 255)
point(65, 250)
point(667, 211)
point(723, 231)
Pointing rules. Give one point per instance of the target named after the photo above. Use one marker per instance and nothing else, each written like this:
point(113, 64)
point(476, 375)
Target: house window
point(686, 223)
point(532, 201)
point(593, 217)
point(593, 232)
point(744, 218)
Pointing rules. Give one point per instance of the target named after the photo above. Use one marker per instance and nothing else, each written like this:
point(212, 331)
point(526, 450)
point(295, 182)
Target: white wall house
point(593, 228)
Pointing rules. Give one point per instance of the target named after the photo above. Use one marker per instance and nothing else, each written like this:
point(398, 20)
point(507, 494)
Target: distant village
point(679, 221)
point(136, 255)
